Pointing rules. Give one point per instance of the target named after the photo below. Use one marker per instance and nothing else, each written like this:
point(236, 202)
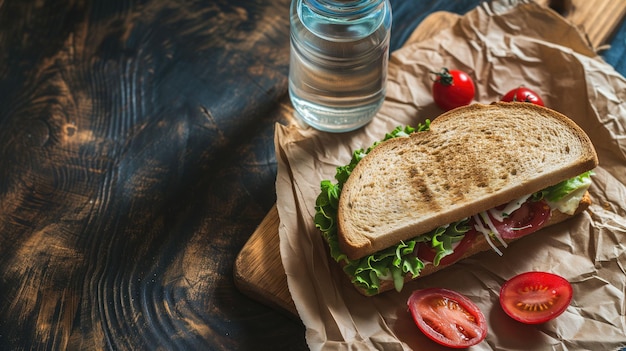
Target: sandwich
point(474, 179)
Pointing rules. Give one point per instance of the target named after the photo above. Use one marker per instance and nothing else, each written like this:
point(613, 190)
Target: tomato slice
point(535, 297)
point(447, 317)
point(529, 218)
point(426, 253)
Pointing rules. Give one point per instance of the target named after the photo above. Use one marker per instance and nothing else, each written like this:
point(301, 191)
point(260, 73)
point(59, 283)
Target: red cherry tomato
point(523, 94)
point(425, 251)
point(452, 89)
point(529, 218)
point(535, 297)
point(447, 317)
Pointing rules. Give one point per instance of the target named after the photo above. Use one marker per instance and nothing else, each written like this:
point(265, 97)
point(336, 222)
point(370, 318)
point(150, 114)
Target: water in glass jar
point(338, 64)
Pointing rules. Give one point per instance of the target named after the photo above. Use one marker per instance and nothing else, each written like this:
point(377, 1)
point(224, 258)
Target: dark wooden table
point(136, 158)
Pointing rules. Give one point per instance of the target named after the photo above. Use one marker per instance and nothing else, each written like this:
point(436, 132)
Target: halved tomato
point(447, 317)
point(535, 297)
point(426, 253)
point(529, 218)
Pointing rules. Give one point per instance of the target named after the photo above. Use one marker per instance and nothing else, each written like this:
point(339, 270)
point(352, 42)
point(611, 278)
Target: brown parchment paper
point(501, 46)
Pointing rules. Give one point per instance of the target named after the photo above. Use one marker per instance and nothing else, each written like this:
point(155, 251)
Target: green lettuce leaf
point(442, 239)
point(392, 263)
point(561, 190)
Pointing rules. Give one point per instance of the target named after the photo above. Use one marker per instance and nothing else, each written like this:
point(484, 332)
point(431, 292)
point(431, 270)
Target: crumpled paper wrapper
point(501, 48)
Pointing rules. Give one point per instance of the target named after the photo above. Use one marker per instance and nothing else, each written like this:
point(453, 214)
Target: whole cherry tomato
point(523, 94)
point(452, 89)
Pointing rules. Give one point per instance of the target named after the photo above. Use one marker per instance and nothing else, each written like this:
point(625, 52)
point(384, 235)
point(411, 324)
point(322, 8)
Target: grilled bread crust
point(472, 159)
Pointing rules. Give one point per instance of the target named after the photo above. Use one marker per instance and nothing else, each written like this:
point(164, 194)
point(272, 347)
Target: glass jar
point(338, 64)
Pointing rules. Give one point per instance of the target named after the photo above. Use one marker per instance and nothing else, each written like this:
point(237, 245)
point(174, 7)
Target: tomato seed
point(530, 304)
point(464, 335)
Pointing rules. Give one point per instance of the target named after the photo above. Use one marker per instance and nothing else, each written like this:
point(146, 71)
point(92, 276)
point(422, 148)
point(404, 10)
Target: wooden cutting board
point(258, 269)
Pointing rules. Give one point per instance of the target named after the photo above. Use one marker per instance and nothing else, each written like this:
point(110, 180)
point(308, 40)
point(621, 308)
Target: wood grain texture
point(258, 258)
point(136, 160)
point(598, 19)
point(265, 280)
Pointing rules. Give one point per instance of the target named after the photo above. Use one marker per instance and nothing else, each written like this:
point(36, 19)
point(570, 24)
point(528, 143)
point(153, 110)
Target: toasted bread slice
point(472, 159)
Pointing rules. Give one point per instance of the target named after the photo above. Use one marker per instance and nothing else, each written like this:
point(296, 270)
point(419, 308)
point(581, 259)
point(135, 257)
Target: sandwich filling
point(445, 244)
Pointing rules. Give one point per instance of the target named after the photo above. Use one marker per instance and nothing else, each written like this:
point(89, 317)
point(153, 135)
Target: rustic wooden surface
point(262, 276)
point(136, 160)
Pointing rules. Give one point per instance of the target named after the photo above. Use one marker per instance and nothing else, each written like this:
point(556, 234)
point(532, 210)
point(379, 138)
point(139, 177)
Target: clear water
point(338, 64)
